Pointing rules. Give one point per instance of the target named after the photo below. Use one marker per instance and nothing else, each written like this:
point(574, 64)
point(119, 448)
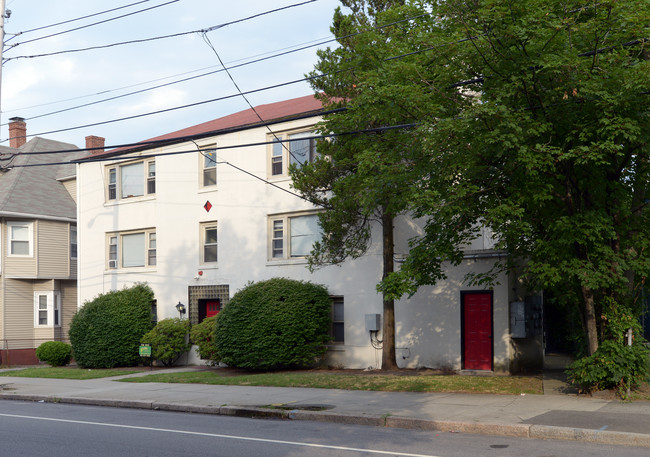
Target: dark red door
point(212, 308)
point(477, 330)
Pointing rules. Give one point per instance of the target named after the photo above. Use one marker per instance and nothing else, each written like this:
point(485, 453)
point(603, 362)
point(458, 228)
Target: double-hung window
point(337, 331)
point(73, 241)
point(290, 148)
point(208, 167)
point(151, 177)
point(20, 239)
point(209, 242)
point(47, 309)
point(133, 179)
point(131, 249)
point(292, 236)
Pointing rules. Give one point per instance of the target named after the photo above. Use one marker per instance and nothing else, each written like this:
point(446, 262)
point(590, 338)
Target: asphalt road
point(49, 429)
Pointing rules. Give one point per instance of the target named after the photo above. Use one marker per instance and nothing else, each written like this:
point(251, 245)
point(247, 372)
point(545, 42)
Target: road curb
point(545, 432)
point(479, 428)
point(549, 432)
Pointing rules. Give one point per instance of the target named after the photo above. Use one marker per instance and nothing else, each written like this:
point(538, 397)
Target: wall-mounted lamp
point(181, 309)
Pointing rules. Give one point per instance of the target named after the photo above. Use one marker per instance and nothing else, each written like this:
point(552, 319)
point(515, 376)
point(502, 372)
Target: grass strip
point(507, 385)
point(66, 373)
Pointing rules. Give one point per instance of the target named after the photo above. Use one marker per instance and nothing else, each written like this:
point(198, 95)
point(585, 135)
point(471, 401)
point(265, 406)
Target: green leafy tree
point(362, 180)
point(545, 141)
point(532, 120)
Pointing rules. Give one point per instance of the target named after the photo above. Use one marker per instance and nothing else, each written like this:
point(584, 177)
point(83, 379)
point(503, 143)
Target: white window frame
point(115, 184)
point(74, 243)
point(115, 242)
point(51, 308)
point(280, 237)
point(208, 164)
point(204, 227)
point(30, 238)
point(338, 320)
point(280, 153)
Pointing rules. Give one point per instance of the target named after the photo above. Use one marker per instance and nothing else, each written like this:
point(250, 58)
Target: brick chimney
point(17, 132)
point(93, 141)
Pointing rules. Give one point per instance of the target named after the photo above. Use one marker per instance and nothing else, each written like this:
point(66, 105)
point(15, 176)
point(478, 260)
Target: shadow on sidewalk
point(554, 378)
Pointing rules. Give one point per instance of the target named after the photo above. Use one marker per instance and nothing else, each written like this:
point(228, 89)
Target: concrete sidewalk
point(549, 416)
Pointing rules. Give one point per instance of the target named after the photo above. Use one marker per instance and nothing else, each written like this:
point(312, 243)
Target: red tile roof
point(268, 112)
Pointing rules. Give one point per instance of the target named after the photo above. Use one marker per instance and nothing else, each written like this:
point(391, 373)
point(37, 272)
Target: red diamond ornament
point(207, 206)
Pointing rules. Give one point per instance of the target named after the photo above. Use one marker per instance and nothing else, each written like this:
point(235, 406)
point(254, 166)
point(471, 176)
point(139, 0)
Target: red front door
point(477, 330)
point(212, 308)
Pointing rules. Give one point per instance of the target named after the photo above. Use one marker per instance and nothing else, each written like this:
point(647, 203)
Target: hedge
point(54, 353)
point(106, 331)
point(168, 340)
point(203, 336)
point(278, 323)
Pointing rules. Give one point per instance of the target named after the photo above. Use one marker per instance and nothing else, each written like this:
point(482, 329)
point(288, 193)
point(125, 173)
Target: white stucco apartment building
point(198, 226)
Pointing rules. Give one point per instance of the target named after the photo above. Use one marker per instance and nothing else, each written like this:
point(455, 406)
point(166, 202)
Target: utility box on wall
point(526, 317)
point(373, 322)
point(518, 320)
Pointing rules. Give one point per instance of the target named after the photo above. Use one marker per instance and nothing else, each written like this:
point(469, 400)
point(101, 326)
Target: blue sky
point(35, 86)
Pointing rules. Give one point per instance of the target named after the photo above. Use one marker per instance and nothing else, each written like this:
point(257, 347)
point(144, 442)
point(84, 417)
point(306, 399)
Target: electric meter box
point(373, 322)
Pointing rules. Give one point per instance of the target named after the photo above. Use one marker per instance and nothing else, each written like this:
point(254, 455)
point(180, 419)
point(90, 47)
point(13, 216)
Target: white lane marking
point(217, 435)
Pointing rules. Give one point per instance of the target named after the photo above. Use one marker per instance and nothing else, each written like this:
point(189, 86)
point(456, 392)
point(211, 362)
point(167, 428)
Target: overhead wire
point(9, 48)
point(168, 84)
point(223, 97)
point(76, 19)
point(225, 162)
point(286, 50)
point(176, 140)
point(290, 51)
point(260, 89)
point(174, 35)
point(211, 46)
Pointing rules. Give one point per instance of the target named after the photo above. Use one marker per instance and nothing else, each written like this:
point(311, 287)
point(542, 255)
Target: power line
point(233, 95)
point(191, 138)
point(172, 82)
point(174, 35)
point(91, 25)
point(77, 19)
point(224, 162)
point(286, 50)
point(189, 105)
point(209, 43)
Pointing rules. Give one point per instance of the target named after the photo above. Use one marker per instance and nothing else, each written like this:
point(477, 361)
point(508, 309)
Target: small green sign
point(145, 350)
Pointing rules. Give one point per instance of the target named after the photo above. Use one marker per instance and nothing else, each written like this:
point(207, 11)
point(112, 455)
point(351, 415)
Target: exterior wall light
point(181, 309)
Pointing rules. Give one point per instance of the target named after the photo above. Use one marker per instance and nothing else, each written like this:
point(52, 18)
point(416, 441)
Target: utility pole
point(2, 44)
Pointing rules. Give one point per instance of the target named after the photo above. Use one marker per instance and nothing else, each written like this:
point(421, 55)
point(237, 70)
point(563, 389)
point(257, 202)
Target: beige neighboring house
point(38, 244)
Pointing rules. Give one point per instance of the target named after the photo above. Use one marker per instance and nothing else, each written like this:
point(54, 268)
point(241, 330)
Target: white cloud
point(160, 99)
point(15, 84)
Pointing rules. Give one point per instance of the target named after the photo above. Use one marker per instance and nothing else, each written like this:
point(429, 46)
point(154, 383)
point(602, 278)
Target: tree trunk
point(590, 320)
point(388, 359)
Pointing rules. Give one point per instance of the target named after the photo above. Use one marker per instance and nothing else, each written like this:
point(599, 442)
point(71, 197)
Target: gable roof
point(269, 113)
point(34, 191)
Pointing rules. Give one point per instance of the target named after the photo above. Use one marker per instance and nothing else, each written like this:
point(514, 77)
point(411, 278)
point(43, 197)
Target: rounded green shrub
point(168, 340)
point(203, 336)
point(278, 323)
point(55, 353)
point(106, 331)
